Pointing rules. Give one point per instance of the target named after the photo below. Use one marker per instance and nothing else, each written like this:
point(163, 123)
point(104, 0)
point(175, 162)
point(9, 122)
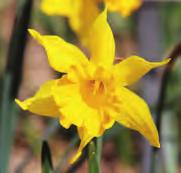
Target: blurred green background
point(151, 32)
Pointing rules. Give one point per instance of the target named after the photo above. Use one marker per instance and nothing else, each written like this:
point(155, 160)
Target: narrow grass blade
point(46, 158)
point(8, 118)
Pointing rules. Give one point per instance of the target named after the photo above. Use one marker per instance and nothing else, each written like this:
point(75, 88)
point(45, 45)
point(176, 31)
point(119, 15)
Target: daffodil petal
point(43, 102)
point(83, 15)
point(68, 99)
point(74, 109)
point(107, 120)
point(101, 42)
point(62, 56)
point(133, 68)
point(134, 113)
point(57, 7)
point(85, 138)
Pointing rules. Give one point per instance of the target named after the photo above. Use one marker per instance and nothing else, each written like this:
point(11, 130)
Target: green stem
point(94, 153)
point(99, 142)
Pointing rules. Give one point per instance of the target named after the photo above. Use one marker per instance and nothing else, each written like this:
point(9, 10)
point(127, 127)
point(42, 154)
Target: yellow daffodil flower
point(92, 94)
point(124, 7)
point(82, 13)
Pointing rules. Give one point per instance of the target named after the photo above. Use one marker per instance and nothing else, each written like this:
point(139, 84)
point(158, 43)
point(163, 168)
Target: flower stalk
point(94, 155)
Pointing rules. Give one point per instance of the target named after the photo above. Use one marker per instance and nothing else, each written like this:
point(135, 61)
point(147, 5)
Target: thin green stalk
point(99, 142)
point(94, 154)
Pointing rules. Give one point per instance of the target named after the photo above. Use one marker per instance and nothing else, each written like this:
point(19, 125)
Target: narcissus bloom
point(124, 7)
point(92, 94)
point(82, 13)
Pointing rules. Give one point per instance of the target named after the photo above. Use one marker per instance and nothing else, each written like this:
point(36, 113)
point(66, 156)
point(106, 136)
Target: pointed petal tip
point(106, 8)
point(63, 122)
point(154, 138)
point(105, 12)
point(32, 32)
point(166, 61)
point(21, 104)
point(161, 63)
point(36, 35)
point(102, 47)
point(102, 14)
point(157, 144)
point(75, 157)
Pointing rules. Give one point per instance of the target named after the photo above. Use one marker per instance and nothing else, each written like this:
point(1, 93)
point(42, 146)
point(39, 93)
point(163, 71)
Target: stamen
point(97, 86)
point(101, 87)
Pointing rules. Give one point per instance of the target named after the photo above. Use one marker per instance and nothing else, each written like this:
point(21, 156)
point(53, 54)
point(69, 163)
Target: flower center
point(93, 92)
point(96, 87)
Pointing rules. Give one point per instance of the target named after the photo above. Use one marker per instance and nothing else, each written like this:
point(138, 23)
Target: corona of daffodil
point(92, 94)
point(82, 13)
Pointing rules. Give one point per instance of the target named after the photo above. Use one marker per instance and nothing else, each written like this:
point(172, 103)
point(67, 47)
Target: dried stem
point(164, 84)
point(162, 97)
